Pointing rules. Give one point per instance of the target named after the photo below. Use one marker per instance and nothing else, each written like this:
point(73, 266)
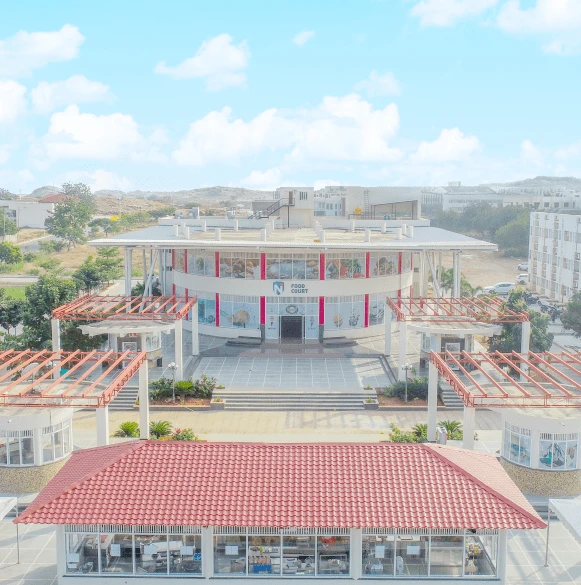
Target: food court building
point(155, 511)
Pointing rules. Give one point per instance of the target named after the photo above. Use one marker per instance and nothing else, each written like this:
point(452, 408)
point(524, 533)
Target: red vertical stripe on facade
point(262, 266)
point(399, 262)
point(187, 297)
point(173, 260)
point(173, 290)
point(321, 310)
point(262, 310)
point(367, 265)
point(217, 306)
point(366, 318)
point(399, 295)
point(186, 262)
point(322, 269)
point(217, 261)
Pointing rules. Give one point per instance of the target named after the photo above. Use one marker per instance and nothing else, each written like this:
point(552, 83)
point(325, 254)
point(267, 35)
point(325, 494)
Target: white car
point(522, 278)
point(500, 288)
point(523, 266)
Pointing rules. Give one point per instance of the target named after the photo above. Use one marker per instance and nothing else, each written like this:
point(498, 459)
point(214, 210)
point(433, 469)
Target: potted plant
point(371, 404)
point(217, 403)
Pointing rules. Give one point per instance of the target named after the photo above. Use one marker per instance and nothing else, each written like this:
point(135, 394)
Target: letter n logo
point(278, 287)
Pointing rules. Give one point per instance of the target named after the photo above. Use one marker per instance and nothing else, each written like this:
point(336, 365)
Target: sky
point(177, 95)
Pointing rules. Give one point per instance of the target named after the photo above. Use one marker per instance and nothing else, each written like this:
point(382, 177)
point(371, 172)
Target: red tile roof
point(54, 198)
point(384, 485)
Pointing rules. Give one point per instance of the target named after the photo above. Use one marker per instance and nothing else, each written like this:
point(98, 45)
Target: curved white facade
point(282, 294)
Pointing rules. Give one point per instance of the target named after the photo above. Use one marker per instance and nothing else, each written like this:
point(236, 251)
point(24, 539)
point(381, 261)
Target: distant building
point(31, 213)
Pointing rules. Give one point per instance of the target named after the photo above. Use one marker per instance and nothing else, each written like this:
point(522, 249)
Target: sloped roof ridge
point(438, 452)
point(124, 449)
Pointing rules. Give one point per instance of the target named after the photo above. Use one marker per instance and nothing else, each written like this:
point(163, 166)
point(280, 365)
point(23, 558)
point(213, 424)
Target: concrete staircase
point(450, 398)
point(126, 399)
point(298, 400)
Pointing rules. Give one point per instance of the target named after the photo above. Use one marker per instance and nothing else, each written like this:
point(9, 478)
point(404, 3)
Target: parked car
point(522, 278)
point(523, 266)
point(500, 288)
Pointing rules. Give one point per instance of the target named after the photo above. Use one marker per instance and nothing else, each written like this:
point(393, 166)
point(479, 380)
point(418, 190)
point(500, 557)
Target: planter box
point(373, 405)
point(215, 405)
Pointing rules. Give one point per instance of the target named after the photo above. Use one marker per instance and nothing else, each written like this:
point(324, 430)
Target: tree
point(10, 253)
point(510, 338)
point(571, 316)
point(109, 264)
point(69, 220)
point(447, 283)
point(7, 226)
point(88, 276)
point(80, 191)
point(160, 428)
point(513, 238)
point(10, 313)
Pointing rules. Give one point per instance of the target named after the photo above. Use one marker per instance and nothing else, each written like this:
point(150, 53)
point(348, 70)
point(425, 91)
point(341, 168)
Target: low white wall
point(345, 224)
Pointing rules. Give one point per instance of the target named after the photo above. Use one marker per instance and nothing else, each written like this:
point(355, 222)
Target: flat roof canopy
point(511, 379)
point(486, 309)
point(64, 379)
point(459, 328)
point(123, 327)
point(101, 307)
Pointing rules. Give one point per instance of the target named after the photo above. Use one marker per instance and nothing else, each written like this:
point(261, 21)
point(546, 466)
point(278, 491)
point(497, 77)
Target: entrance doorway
point(291, 327)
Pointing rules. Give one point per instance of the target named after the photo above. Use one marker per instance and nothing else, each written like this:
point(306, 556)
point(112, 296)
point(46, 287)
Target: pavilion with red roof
point(155, 509)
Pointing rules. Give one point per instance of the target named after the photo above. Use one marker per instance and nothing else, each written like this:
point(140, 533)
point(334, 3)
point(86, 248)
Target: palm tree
point(454, 428)
point(128, 429)
point(420, 431)
point(160, 428)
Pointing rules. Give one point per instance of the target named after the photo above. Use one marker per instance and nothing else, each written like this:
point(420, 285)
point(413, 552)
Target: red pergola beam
point(93, 307)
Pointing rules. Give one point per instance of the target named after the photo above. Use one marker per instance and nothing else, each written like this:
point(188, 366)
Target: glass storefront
point(304, 309)
point(558, 451)
point(240, 265)
point(239, 312)
point(382, 264)
point(201, 263)
point(517, 445)
point(344, 265)
point(344, 312)
point(16, 448)
point(292, 266)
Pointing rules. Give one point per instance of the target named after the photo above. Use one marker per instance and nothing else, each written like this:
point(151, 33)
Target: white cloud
point(530, 153)
point(325, 183)
point(5, 152)
point(380, 85)
point(76, 135)
point(218, 60)
point(100, 179)
point(340, 128)
point(452, 145)
point(559, 19)
point(301, 38)
point(268, 180)
point(448, 12)
point(12, 101)
point(573, 151)
point(77, 89)
point(23, 52)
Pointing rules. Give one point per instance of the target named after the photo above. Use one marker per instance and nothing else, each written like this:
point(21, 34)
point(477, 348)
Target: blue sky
point(181, 94)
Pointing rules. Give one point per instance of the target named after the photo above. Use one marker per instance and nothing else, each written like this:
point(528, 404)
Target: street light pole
point(406, 368)
point(173, 367)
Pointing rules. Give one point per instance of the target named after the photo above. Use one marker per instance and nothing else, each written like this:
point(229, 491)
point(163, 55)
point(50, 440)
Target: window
point(116, 551)
point(240, 265)
point(56, 442)
point(517, 445)
point(447, 555)
point(230, 554)
point(302, 195)
point(344, 312)
point(239, 312)
point(292, 266)
point(201, 263)
point(151, 553)
point(558, 451)
point(382, 264)
point(180, 260)
point(412, 554)
point(16, 448)
point(206, 307)
point(333, 555)
point(377, 308)
point(345, 266)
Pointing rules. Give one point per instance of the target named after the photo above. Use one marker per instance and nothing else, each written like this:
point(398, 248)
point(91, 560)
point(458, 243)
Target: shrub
point(201, 388)
point(160, 389)
point(398, 436)
point(160, 428)
point(454, 428)
point(204, 387)
point(421, 432)
point(184, 388)
point(417, 389)
point(128, 429)
point(184, 435)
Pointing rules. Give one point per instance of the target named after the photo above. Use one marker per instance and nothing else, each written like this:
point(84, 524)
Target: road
point(34, 245)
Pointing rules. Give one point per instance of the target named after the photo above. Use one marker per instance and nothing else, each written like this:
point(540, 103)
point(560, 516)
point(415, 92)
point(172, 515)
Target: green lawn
point(14, 292)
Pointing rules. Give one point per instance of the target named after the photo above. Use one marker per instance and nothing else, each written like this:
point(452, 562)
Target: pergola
point(464, 315)
point(48, 379)
point(505, 380)
point(127, 309)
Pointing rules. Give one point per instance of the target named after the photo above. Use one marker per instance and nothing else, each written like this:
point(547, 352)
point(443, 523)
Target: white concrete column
point(195, 335)
point(388, 330)
point(37, 445)
point(207, 552)
point(113, 337)
point(143, 401)
point(502, 553)
point(128, 269)
point(102, 426)
point(469, 426)
point(143, 337)
point(403, 342)
point(525, 345)
point(356, 560)
point(422, 274)
point(179, 350)
point(432, 401)
point(56, 334)
point(457, 277)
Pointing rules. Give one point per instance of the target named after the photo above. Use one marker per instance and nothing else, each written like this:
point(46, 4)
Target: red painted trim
point(187, 297)
point(173, 260)
point(217, 307)
point(263, 266)
point(185, 262)
point(217, 262)
point(321, 270)
point(262, 310)
point(366, 319)
point(173, 290)
point(399, 262)
point(321, 309)
point(411, 261)
point(399, 293)
point(367, 266)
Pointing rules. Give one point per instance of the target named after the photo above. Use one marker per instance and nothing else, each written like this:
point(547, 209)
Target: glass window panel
point(47, 453)
point(525, 451)
point(225, 266)
point(412, 553)
point(559, 454)
point(333, 319)
point(3, 452)
point(116, 553)
point(481, 552)
point(299, 268)
point(253, 268)
point(572, 454)
point(27, 448)
point(185, 553)
point(238, 267)
point(58, 445)
point(298, 555)
point(230, 554)
point(82, 553)
point(196, 263)
point(358, 267)
point(346, 268)
point(545, 454)
point(312, 268)
point(180, 259)
point(151, 553)
point(264, 555)
point(333, 555)
point(286, 268)
point(272, 267)
point(377, 555)
point(14, 451)
point(333, 269)
point(447, 555)
point(209, 264)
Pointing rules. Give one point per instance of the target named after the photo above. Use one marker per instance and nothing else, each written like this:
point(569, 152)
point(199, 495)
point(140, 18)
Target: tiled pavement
point(526, 557)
